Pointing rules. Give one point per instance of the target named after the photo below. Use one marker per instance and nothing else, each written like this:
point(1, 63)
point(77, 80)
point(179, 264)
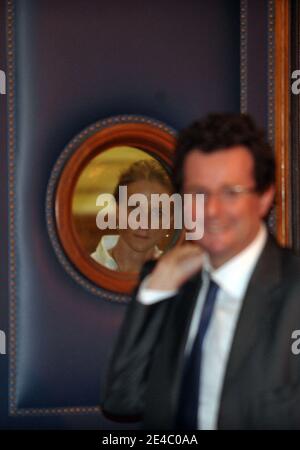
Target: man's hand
point(175, 267)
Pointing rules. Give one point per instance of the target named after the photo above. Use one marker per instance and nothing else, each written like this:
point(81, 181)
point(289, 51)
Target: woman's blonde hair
point(142, 170)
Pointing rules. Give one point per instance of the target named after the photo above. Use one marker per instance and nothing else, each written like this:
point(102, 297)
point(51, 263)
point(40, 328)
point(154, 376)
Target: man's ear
point(266, 200)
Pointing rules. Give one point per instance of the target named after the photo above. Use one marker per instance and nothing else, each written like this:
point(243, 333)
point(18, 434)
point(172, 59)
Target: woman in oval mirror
point(128, 250)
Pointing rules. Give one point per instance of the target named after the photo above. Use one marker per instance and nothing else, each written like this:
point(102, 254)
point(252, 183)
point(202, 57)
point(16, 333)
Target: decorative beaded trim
point(243, 56)
point(271, 96)
point(271, 79)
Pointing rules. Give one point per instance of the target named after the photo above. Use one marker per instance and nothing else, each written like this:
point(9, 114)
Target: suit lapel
point(265, 278)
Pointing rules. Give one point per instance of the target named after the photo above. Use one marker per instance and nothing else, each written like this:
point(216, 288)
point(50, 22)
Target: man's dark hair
point(223, 131)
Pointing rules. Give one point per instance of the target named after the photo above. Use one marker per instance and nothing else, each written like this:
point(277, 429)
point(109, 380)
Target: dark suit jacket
point(262, 381)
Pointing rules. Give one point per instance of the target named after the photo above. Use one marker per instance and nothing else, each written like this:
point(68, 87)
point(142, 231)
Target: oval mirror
point(89, 195)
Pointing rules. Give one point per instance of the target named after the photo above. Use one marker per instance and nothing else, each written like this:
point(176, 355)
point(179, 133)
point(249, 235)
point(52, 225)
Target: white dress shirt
point(233, 278)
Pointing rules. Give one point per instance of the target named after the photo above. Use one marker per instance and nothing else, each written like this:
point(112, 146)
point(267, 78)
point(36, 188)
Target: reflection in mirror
point(106, 260)
point(117, 247)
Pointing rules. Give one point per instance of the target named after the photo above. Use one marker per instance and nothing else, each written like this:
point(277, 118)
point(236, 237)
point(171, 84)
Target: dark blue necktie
point(189, 393)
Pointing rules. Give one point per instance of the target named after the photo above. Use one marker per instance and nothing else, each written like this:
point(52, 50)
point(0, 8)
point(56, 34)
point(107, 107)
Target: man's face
point(230, 224)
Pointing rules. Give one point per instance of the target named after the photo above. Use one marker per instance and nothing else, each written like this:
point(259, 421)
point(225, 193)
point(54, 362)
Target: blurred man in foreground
point(207, 339)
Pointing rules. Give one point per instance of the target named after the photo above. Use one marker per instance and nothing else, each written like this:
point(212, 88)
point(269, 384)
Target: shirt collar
point(102, 254)
point(234, 275)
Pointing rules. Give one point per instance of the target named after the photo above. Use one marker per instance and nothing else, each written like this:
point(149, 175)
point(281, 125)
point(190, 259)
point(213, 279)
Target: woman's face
point(142, 240)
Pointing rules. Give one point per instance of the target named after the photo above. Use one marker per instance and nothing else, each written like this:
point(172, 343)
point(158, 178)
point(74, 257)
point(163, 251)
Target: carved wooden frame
point(145, 134)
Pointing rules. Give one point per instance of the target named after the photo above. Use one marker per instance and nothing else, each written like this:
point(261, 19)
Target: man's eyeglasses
point(228, 194)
